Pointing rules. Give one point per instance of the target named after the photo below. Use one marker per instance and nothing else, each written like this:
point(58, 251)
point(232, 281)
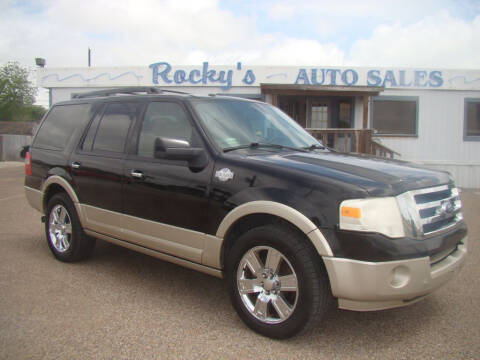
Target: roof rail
point(125, 90)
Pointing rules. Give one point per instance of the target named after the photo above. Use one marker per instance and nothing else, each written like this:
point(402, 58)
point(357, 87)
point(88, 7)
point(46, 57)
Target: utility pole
point(89, 57)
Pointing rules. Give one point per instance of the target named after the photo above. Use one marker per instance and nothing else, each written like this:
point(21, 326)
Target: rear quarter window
point(62, 123)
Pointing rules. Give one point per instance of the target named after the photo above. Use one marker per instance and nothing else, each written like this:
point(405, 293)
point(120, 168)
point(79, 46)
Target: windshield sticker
point(232, 141)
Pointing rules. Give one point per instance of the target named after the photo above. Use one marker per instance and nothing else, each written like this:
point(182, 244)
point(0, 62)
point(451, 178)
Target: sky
point(426, 33)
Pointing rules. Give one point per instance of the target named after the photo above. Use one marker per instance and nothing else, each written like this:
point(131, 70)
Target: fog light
point(400, 276)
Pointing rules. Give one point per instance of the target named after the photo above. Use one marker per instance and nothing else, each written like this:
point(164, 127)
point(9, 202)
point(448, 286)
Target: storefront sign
point(162, 73)
point(226, 77)
point(385, 78)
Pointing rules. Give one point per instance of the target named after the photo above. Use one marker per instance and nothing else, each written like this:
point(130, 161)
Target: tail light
point(28, 164)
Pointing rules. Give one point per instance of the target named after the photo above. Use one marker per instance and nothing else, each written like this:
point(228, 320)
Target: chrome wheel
point(267, 284)
point(60, 228)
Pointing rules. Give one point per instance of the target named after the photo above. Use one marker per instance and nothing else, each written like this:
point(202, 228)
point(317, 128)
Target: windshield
point(236, 123)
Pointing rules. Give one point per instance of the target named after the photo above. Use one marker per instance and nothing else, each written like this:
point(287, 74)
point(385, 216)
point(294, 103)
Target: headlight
point(381, 215)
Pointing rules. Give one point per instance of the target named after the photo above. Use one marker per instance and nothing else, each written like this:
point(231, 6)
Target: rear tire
point(65, 236)
point(277, 282)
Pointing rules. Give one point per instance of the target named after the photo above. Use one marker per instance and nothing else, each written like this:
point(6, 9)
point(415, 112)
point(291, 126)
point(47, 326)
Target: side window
point(92, 131)
point(395, 115)
point(61, 124)
point(110, 132)
point(472, 119)
point(163, 119)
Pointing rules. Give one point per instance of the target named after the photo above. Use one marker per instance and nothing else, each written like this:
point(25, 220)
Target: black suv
point(235, 188)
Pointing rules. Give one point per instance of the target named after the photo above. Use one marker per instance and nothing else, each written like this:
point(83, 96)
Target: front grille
point(438, 208)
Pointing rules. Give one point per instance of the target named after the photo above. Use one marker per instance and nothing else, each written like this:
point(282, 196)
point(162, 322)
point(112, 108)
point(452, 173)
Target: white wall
point(440, 143)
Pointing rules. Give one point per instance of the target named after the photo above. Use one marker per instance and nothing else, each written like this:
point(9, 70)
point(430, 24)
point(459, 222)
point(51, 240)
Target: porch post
point(366, 100)
point(271, 99)
point(275, 100)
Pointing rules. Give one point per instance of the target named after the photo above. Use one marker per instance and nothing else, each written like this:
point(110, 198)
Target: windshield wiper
point(255, 145)
point(315, 147)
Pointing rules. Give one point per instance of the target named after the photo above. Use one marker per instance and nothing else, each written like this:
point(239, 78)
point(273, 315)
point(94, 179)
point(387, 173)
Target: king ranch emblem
point(224, 174)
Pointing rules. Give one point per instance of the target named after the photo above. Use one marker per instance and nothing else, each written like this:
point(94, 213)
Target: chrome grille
point(438, 208)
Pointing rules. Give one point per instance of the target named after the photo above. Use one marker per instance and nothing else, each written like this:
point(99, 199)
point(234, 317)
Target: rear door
point(97, 166)
point(166, 201)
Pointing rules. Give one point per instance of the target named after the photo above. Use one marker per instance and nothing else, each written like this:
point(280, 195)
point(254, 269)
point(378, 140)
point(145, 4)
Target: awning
point(320, 90)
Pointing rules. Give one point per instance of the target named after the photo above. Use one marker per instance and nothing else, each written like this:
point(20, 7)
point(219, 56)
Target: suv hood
point(377, 176)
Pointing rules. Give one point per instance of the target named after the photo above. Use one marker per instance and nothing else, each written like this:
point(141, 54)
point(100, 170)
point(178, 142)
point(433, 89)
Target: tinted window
point(163, 119)
point(472, 119)
point(61, 124)
point(113, 128)
point(92, 131)
point(395, 116)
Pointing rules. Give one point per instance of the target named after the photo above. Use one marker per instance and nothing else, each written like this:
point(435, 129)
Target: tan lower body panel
point(182, 243)
point(158, 255)
point(375, 305)
point(157, 237)
point(34, 198)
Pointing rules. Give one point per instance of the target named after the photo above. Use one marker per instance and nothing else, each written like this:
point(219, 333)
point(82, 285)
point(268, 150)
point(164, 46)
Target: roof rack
point(134, 90)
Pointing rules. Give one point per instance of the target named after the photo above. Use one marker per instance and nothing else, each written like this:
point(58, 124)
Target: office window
point(319, 116)
point(395, 115)
point(472, 119)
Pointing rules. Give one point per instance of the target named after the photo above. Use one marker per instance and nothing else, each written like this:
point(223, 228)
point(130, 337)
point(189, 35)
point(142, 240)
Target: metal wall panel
point(440, 142)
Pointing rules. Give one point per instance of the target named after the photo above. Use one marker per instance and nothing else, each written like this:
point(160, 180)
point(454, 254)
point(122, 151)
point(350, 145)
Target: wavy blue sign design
point(464, 78)
point(80, 76)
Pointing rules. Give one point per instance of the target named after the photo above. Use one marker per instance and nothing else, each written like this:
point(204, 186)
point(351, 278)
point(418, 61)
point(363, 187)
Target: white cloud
point(344, 32)
point(121, 32)
point(294, 51)
point(282, 10)
point(127, 32)
point(346, 11)
point(436, 41)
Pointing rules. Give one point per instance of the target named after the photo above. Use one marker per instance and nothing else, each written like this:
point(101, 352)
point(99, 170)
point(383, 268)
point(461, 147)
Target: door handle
point(75, 165)
point(137, 174)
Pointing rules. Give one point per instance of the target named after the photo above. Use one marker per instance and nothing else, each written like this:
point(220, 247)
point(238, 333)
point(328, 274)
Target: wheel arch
point(256, 213)
point(55, 184)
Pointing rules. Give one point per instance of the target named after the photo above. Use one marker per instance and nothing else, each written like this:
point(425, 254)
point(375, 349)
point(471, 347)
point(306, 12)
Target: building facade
point(428, 116)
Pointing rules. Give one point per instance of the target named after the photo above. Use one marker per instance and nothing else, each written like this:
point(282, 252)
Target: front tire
point(277, 282)
point(65, 236)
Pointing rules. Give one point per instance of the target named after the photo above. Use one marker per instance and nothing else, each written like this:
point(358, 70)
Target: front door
point(166, 202)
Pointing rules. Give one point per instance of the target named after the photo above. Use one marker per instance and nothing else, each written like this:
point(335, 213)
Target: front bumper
point(365, 286)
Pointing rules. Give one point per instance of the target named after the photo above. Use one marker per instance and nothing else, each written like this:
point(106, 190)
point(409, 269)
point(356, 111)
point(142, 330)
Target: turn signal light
point(352, 212)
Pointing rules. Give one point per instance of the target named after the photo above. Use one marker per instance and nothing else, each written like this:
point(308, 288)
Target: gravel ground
point(125, 305)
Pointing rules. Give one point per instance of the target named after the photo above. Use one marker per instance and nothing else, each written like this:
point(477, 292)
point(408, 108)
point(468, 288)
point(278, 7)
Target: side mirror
point(176, 149)
point(24, 151)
